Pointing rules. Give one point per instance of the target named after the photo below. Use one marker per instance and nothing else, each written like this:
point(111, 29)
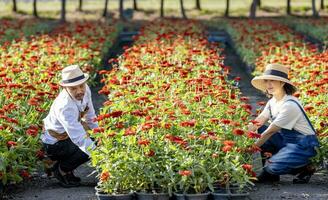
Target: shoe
point(72, 177)
point(64, 180)
point(305, 175)
point(266, 177)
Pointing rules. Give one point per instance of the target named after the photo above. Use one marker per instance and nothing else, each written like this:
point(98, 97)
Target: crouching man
point(65, 137)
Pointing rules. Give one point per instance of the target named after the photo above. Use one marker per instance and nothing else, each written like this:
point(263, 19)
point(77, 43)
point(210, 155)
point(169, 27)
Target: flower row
point(316, 28)
point(173, 121)
point(29, 75)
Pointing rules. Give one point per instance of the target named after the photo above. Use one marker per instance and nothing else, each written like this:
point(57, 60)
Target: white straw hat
point(275, 72)
point(73, 76)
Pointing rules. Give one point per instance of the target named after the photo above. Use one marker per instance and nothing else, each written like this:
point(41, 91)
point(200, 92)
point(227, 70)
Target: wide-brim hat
point(73, 76)
point(275, 72)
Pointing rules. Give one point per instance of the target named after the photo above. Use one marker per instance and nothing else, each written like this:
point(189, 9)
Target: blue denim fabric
point(290, 150)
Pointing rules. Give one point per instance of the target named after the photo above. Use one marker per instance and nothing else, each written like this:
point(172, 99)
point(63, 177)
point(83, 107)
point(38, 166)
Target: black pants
point(67, 154)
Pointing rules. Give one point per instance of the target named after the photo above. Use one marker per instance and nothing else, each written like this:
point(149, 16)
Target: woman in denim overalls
point(290, 138)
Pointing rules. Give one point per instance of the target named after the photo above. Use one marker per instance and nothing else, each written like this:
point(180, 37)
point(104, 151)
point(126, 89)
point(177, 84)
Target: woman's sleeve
point(288, 116)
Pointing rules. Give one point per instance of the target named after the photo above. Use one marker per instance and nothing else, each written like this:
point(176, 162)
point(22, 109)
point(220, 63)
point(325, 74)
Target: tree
point(63, 11)
point(322, 5)
point(105, 9)
point(314, 10)
point(259, 3)
point(198, 7)
point(226, 14)
point(288, 7)
point(121, 9)
point(253, 9)
point(162, 8)
point(35, 11)
point(80, 5)
point(135, 6)
point(183, 10)
point(14, 6)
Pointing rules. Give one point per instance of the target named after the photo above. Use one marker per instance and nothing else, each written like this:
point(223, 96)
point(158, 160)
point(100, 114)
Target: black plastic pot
point(104, 196)
point(202, 196)
point(152, 196)
point(231, 193)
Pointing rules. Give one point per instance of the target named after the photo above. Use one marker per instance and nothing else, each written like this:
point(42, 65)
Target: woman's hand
point(252, 127)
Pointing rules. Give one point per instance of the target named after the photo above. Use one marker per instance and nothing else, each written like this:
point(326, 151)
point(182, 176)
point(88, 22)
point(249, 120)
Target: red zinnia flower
point(238, 131)
point(11, 144)
point(185, 172)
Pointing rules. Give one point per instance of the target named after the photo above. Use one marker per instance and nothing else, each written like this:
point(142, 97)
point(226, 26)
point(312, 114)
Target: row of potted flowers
point(308, 66)
point(29, 82)
point(173, 123)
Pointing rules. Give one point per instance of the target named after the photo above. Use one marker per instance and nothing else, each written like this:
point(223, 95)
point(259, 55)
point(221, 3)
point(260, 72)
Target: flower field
point(173, 119)
point(316, 28)
point(29, 83)
point(18, 29)
point(258, 45)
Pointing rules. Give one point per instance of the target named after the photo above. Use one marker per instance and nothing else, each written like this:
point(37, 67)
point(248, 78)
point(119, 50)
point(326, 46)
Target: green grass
point(94, 8)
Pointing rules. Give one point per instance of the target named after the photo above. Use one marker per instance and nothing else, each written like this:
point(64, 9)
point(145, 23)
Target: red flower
point(151, 153)
point(143, 142)
point(190, 123)
point(115, 114)
point(225, 121)
point(98, 130)
point(40, 154)
point(129, 132)
point(238, 131)
point(104, 176)
point(229, 143)
point(11, 144)
point(226, 148)
point(252, 134)
point(25, 174)
point(185, 172)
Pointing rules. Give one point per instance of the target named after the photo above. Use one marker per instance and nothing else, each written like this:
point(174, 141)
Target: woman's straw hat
point(275, 72)
point(73, 76)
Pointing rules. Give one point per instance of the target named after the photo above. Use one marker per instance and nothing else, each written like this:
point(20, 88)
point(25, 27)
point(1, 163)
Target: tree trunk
point(121, 9)
point(14, 6)
point(288, 7)
point(259, 3)
point(183, 10)
point(322, 5)
point(162, 8)
point(135, 6)
point(198, 7)
point(314, 10)
point(63, 11)
point(253, 9)
point(80, 5)
point(105, 9)
point(226, 14)
point(35, 11)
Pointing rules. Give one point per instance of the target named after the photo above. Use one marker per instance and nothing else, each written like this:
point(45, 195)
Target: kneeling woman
point(290, 137)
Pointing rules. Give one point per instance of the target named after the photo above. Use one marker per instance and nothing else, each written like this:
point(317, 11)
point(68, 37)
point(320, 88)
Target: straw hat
point(275, 72)
point(73, 76)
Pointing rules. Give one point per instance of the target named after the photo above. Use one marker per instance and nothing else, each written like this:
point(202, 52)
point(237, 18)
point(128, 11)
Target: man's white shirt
point(63, 117)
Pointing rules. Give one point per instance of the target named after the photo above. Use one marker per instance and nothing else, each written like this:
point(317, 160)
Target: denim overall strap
point(308, 120)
